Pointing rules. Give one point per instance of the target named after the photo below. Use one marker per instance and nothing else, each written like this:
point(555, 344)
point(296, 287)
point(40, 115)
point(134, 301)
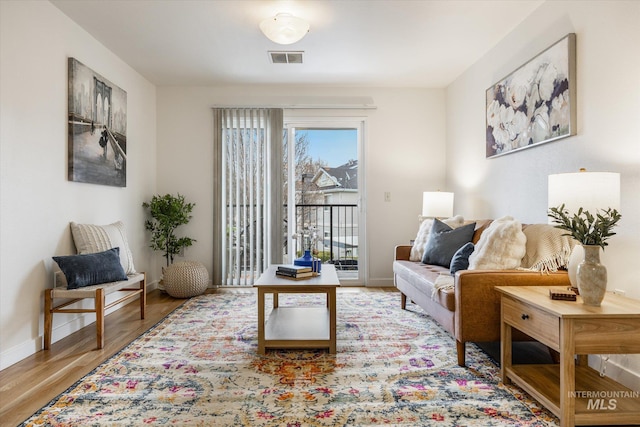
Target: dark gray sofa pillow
point(91, 269)
point(444, 241)
point(460, 260)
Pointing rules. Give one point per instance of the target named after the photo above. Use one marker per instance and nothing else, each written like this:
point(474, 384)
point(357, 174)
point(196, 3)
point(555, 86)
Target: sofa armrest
point(477, 316)
point(402, 252)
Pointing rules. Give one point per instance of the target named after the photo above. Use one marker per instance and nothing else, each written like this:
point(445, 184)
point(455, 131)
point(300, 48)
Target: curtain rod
point(304, 107)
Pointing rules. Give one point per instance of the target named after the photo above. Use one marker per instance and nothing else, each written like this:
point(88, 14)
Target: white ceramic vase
point(591, 276)
point(576, 257)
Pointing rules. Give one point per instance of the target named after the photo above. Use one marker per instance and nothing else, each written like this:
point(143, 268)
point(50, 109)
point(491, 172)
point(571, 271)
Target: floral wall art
point(535, 103)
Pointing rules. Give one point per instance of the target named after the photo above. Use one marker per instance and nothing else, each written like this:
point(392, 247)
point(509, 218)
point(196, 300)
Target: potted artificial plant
point(592, 232)
point(168, 212)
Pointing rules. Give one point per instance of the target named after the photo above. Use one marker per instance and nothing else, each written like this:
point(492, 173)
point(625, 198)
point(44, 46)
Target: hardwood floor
point(31, 383)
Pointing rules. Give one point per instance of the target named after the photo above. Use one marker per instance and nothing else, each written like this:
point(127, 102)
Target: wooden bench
point(98, 294)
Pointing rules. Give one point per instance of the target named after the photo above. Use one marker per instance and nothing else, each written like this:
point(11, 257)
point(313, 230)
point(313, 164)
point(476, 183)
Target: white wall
point(404, 155)
point(37, 201)
point(608, 121)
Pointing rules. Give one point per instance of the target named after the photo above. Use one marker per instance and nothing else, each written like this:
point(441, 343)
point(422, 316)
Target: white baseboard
point(151, 286)
point(19, 352)
point(22, 351)
point(614, 370)
point(379, 283)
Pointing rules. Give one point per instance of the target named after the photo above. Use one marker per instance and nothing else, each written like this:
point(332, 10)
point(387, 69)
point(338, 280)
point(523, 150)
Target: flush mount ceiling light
point(284, 28)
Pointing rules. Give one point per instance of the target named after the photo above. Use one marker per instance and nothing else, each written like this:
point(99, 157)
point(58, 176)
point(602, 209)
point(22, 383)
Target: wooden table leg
point(331, 300)
point(261, 294)
point(505, 350)
point(567, 375)
point(583, 360)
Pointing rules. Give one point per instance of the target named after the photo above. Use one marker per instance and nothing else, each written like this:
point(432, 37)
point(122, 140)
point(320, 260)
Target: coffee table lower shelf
point(298, 327)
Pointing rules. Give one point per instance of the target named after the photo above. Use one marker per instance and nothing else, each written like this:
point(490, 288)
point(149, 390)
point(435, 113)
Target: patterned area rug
point(199, 367)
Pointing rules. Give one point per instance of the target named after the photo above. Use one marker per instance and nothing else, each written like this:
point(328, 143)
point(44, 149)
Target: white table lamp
point(591, 191)
point(437, 204)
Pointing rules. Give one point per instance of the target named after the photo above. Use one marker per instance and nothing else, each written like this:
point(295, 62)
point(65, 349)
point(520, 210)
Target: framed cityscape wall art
point(97, 146)
point(535, 103)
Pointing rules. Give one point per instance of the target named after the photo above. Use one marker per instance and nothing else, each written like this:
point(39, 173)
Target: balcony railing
point(337, 229)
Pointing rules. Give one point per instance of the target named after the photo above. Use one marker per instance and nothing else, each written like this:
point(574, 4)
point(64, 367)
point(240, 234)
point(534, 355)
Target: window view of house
point(326, 196)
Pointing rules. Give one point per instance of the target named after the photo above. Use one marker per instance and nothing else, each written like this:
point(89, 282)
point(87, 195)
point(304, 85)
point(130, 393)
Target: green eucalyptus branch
point(584, 226)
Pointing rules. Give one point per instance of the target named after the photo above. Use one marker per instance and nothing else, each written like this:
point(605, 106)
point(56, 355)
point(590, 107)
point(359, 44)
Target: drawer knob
point(525, 316)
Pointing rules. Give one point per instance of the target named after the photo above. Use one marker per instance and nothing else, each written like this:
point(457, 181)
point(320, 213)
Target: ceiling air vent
point(283, 57)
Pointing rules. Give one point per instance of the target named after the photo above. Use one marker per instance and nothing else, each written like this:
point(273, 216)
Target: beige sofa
point(470, 310)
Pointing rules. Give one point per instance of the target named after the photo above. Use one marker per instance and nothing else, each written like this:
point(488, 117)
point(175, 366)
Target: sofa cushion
point(417, 250)
point(91, 269)
point(444, 241)
point(423, 277)
point(481, 225)
point(501, 246)
point(460, 260)
point(90, 238)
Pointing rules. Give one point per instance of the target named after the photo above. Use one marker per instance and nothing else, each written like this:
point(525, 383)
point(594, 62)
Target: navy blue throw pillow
point(91, 269)
point(444, 241)
point(460, 260)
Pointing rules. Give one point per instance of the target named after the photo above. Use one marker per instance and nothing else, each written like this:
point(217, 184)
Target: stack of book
point(562, 294)
point(294, 272)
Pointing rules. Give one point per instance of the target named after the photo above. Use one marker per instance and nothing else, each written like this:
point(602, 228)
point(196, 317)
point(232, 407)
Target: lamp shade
point(437, 204)
point(591, 191)
point(284, 28)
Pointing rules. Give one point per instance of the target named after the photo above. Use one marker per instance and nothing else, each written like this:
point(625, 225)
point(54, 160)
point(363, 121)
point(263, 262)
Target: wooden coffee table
point(297, 327)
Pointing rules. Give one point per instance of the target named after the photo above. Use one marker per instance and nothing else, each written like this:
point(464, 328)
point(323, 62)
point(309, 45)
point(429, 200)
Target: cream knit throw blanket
point(547, 248)
point(443, 281)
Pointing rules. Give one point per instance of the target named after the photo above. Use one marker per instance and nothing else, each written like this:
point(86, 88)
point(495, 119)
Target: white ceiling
point(408, 43)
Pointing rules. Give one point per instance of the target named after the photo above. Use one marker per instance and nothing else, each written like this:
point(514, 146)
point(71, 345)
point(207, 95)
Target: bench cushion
point(60, 289)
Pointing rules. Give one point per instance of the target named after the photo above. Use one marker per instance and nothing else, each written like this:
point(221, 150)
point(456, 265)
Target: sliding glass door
point(280, 188)
point(323, 194)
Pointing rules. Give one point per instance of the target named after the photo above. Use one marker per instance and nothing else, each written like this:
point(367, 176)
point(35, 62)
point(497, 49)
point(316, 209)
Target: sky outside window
point(334, 146)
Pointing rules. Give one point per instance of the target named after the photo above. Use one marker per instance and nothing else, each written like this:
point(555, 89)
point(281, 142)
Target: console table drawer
point(538, 324)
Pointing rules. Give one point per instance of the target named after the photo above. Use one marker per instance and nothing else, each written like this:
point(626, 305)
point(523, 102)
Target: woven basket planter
point(185, 279)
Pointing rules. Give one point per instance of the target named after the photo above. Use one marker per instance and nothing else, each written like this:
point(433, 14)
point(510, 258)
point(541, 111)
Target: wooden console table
point(573, 391)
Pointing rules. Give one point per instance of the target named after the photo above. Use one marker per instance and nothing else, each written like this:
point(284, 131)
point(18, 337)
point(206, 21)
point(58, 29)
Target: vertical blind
point(247, 193)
